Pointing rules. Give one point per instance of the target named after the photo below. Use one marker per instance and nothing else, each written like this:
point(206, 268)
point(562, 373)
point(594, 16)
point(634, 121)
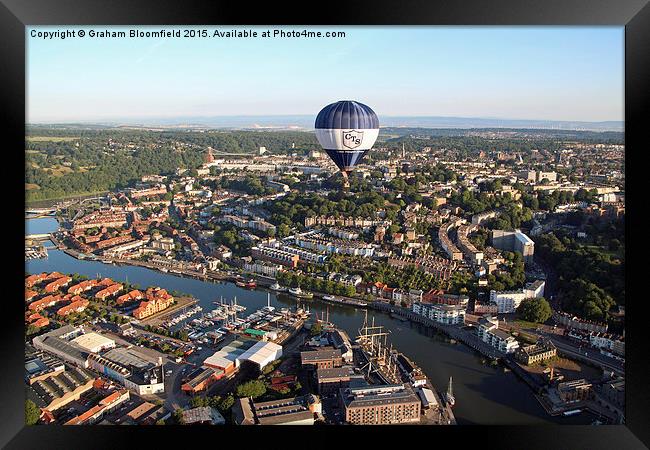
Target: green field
point(50, 138)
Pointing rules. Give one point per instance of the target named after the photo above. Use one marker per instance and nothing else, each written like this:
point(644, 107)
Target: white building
point(94, 342)
point(445, 314)
point(488, 332)
point(508, 301)
point(261, 354)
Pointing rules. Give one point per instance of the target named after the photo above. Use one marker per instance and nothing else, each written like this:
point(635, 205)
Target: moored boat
point(277, 287)
point(300, 293)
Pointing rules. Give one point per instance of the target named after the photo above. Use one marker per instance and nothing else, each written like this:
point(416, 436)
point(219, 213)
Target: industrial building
point(380, 405)
point(94, 342)
point(59, 343)
point(39, 365)
point(225, 358)
point(130, 368)
point(288, 411)
point(60, 388)
point(260, 354)
point(200, 379)
point(230, 357)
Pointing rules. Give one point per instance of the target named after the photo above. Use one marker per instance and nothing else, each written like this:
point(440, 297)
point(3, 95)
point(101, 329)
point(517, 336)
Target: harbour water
point(484, 394)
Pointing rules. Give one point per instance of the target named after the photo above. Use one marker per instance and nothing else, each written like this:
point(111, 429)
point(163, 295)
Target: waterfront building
point(380, 405)
point(275, 255)
point(109, 291)
point(225, 359)
point(57, 284)
point(263, 268)
point(261, 354)
point(156, 300)
point(535, 353)
point(488, 332)
point(440, 313)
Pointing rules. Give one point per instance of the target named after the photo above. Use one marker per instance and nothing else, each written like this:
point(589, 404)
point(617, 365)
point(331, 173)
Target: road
point(588, 354)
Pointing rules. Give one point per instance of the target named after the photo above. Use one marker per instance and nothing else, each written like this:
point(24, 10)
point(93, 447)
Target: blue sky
point(549, 73)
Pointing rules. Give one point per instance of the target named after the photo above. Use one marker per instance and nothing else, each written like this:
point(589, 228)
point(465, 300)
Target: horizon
point(300, 122)
point(563, 74)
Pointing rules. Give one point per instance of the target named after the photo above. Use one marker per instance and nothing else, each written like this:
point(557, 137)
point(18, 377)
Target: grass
point(525, 325)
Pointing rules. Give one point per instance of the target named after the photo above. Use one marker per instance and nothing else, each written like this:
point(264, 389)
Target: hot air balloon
point(346, 130)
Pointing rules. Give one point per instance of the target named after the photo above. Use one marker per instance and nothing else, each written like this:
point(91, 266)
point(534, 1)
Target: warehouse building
point(94, 342)
point(60, 388)
point(260, 354)
point(200, 379)
point(225, 359)
point(132, 369)
point(288, 411)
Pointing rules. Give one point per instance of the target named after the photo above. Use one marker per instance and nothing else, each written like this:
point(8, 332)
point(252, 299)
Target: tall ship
point(380, 360)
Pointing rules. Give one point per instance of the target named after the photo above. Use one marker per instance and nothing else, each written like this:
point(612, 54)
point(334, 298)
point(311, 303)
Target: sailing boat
point(268, 306)
point(451, 401)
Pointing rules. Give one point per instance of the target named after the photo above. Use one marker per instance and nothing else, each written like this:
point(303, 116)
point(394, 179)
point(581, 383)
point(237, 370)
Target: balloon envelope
point(346, 130)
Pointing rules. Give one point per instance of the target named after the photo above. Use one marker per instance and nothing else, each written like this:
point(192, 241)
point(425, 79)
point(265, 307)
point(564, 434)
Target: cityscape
point(346, 272)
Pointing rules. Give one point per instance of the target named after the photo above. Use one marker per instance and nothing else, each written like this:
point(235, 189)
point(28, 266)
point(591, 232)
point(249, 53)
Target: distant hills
point(306, 122)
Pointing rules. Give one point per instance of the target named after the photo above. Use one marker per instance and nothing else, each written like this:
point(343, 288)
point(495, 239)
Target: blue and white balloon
point(347, 130)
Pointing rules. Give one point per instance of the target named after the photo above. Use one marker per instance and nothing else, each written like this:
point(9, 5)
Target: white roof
point(92, 341)
point(428, 397)
point(262, 353)
point(220, 359)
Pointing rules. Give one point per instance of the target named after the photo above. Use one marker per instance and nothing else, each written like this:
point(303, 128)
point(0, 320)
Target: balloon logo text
point(352, 138)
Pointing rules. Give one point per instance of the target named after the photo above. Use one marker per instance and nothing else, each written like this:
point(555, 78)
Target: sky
point(537, 73)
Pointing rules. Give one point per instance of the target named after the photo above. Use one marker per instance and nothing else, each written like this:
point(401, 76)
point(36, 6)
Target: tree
point(253, 388)
point(535, 310)
point(316, 329)
point(32, 412)
point(178, 416)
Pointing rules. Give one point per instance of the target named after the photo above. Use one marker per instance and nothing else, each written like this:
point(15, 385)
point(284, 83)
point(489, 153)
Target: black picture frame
point(15, 15)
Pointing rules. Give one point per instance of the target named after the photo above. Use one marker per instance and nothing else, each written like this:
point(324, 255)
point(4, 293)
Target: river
point(485, 395)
